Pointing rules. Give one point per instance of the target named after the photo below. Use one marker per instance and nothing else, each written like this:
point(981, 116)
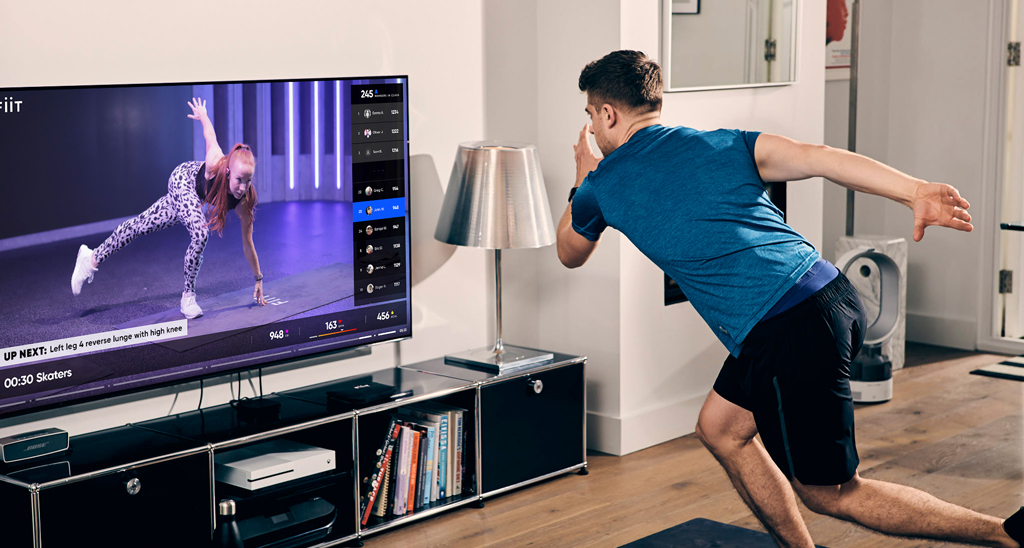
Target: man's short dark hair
point(626, 79)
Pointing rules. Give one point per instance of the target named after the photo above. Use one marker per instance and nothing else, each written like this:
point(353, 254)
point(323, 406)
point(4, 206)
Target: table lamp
point(496, 200)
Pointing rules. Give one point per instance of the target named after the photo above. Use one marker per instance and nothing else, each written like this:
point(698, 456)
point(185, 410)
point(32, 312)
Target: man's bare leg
point(900, 510)
point(728, 431)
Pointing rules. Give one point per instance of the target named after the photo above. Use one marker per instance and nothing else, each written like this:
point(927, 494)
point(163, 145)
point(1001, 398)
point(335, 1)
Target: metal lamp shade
point(496, 198)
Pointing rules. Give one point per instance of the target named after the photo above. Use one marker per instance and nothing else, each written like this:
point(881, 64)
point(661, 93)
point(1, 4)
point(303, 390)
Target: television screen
point(155, 233)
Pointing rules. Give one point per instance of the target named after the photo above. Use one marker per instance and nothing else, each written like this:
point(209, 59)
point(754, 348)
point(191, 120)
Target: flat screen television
point(121, 177)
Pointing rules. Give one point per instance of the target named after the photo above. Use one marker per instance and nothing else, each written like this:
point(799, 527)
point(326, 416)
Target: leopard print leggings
point(180, 205)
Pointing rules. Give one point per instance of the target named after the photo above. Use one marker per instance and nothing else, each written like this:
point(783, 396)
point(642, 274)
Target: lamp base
point(511, 358)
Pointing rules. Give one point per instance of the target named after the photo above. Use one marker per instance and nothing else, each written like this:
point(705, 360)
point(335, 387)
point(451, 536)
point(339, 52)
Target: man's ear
point(610, 115)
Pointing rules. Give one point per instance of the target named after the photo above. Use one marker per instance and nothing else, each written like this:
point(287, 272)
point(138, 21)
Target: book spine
point(408, 475)
point(458, 454)
point(389, 498)
point(429, 475)
point(472, 454)
point(436, 479)
point(406, 465)
point(382, 501)
point(414, 457)
point(443, 464)
point(452, 451)
point(403, 452)
point(374, 487)
point(421, 470)
point(383, 484)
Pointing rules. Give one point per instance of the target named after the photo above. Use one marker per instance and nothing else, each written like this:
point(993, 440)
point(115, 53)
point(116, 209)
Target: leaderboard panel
point(380, 235)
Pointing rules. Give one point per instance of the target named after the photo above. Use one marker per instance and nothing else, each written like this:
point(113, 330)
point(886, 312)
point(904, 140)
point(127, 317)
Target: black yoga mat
point(1010, 369)
point(705, 533)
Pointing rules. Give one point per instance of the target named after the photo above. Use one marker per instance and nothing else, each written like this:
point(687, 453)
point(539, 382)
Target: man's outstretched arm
point(782, 159)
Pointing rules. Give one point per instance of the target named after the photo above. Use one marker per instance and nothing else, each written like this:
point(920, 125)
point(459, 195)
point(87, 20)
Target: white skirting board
point(623, 435)
point(949, 332)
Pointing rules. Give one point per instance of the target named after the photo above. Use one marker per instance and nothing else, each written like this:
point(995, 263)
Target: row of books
point(421, 460)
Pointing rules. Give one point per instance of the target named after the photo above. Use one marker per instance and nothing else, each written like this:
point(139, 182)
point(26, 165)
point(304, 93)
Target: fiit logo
point(10, 105)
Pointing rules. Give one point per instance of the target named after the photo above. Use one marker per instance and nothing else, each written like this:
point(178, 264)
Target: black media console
point(152, 484)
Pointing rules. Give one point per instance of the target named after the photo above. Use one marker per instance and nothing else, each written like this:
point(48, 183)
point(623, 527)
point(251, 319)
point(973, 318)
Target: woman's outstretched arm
point(249, 248)
point(213, 151)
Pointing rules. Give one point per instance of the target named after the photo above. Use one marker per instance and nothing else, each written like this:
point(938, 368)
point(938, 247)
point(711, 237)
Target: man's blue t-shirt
point(694, 203)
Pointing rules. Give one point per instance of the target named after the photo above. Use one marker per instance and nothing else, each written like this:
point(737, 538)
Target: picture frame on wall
point(685, 7)
point(838, 42)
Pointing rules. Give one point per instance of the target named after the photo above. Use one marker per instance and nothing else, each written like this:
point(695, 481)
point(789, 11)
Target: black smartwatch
point(572, 192)
point(259, 277)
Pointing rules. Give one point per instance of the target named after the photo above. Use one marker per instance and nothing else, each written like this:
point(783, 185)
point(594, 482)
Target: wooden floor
point(955, 435)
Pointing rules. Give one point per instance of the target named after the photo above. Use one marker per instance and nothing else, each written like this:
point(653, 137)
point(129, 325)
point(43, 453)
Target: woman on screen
point(222, 182)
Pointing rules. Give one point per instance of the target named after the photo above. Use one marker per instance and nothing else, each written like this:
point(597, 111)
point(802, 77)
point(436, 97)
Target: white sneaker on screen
point(84, 270)
point(188, 305)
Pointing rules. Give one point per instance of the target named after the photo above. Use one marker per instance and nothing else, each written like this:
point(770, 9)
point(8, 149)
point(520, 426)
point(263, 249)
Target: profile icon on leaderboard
point(367, 133)
point(369, 229)
point(369, 269)
point(367, 114)
point(369, 249)
point(369, 210)
point(368, 191)
point(369, 288)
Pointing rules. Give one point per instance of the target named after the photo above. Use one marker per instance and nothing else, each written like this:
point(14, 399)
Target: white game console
point(271, 462)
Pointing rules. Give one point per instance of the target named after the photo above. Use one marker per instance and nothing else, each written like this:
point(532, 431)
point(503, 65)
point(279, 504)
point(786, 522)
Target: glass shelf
point(221, 423)
point(89, 453)
point(376, 523)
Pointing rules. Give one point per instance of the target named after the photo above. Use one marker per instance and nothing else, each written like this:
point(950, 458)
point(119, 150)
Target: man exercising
point(694, 203)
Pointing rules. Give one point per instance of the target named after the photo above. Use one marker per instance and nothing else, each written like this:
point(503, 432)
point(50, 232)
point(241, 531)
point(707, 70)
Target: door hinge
point(1005, 281)
point(1013, 54)
point(769, 49)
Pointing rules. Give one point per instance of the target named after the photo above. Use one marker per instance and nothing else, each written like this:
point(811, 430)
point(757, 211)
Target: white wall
point(534, 51)
point(921, 109)
point(872, 124)
point(115, 41)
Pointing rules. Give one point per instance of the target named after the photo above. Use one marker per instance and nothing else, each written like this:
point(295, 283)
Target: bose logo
point(10, 105)
point(36, 446)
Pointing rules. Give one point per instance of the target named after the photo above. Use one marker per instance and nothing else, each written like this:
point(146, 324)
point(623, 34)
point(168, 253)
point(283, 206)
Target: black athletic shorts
point(793, 374)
